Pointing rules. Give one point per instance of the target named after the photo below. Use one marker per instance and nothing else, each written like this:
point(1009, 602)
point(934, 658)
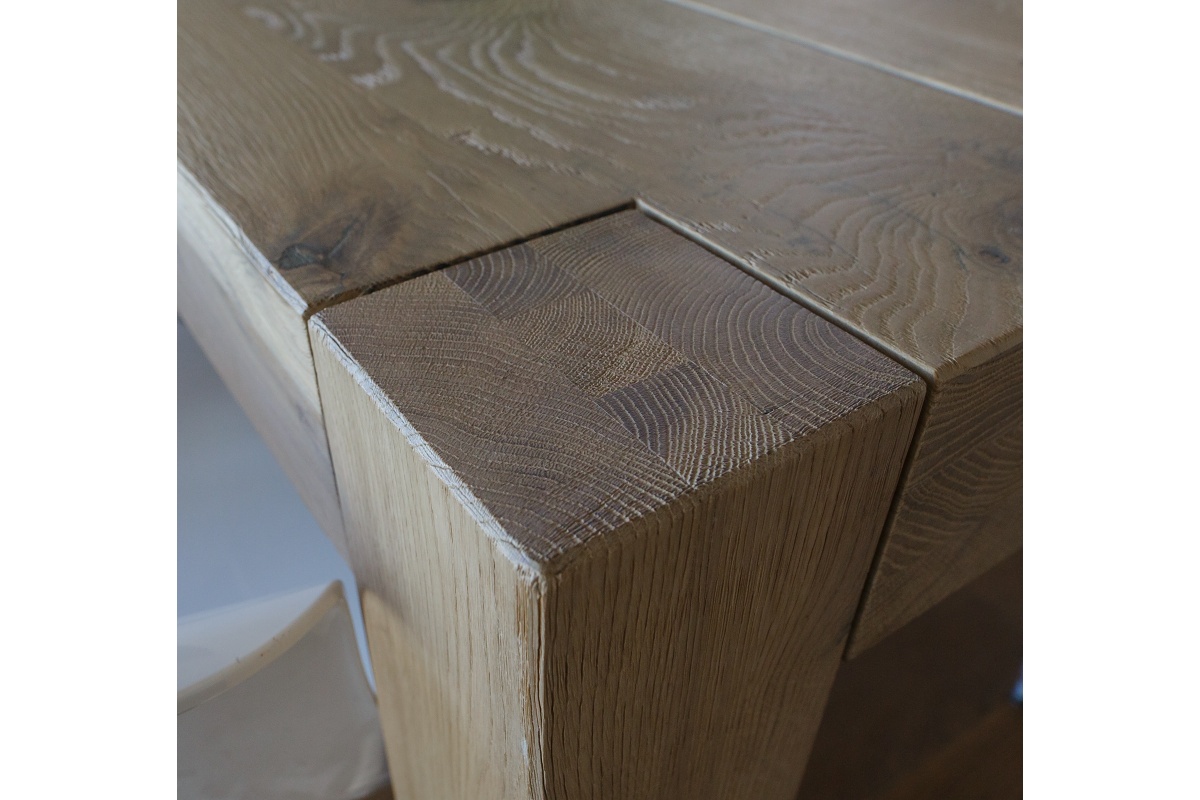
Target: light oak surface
point(968, 47)
point(612, 503)
point(358, 144)
point(331, 150)
point(959, 513)
point(338, 190)
point(259, 347)
point(894, 207)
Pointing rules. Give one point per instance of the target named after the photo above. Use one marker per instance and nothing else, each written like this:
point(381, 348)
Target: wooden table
point(644, 358)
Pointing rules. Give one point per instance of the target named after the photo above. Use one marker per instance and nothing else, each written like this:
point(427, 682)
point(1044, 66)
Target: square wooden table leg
point(611, 504)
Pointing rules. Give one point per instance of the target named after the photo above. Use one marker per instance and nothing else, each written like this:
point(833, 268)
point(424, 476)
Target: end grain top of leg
point(612, 503)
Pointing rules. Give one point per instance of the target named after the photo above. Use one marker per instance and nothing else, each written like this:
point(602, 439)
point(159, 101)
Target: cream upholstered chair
point(274, 703)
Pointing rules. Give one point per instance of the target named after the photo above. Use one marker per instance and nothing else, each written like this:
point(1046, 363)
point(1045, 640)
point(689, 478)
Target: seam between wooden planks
point(777, 285)
point(689, 234)
point(321, 335)
point(488, 523)
point(885, 535)
point(541, 572)
point(885, 350)
point(848, 55)
point(343, 297)
point(271, 274)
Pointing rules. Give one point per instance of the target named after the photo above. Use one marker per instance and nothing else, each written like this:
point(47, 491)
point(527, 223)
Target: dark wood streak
point(302, 254)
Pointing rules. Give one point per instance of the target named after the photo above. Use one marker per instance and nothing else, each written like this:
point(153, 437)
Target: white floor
point(243, 531)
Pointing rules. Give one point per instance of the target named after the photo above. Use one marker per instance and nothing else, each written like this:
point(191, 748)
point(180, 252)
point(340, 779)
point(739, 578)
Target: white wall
point(243, 531)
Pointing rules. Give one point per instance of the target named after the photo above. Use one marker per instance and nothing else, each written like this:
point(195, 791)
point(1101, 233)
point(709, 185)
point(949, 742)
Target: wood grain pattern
point(338, 191)
point(969, 47)
point(960, 510)
point(893, 207)
point(364, 142)
point(259, 347)
point(606, 566)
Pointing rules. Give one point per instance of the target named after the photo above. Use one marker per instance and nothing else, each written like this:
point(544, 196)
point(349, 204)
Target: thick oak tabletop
point(568, 267)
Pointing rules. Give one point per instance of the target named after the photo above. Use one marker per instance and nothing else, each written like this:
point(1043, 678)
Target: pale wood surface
point(960, 511)
point(972, 47)
point(361, 143)
point(339, 191)
point(892, 206)
point(258, 345)
point(612, 503)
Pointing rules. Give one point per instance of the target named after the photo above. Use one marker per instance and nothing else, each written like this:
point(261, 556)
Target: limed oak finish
point(611, 503)
point(959, 511)
point(257, 343)
point(968, 47)
point(357, 144)
point(379, 163)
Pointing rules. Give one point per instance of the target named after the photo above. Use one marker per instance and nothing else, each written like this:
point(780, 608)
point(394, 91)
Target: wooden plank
point(339, 192)
point(611, 503)
point(362, 144)
point(969, 47)
point(896, 710)
point(258, 345)
point(892, 206)
point(960, 509)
